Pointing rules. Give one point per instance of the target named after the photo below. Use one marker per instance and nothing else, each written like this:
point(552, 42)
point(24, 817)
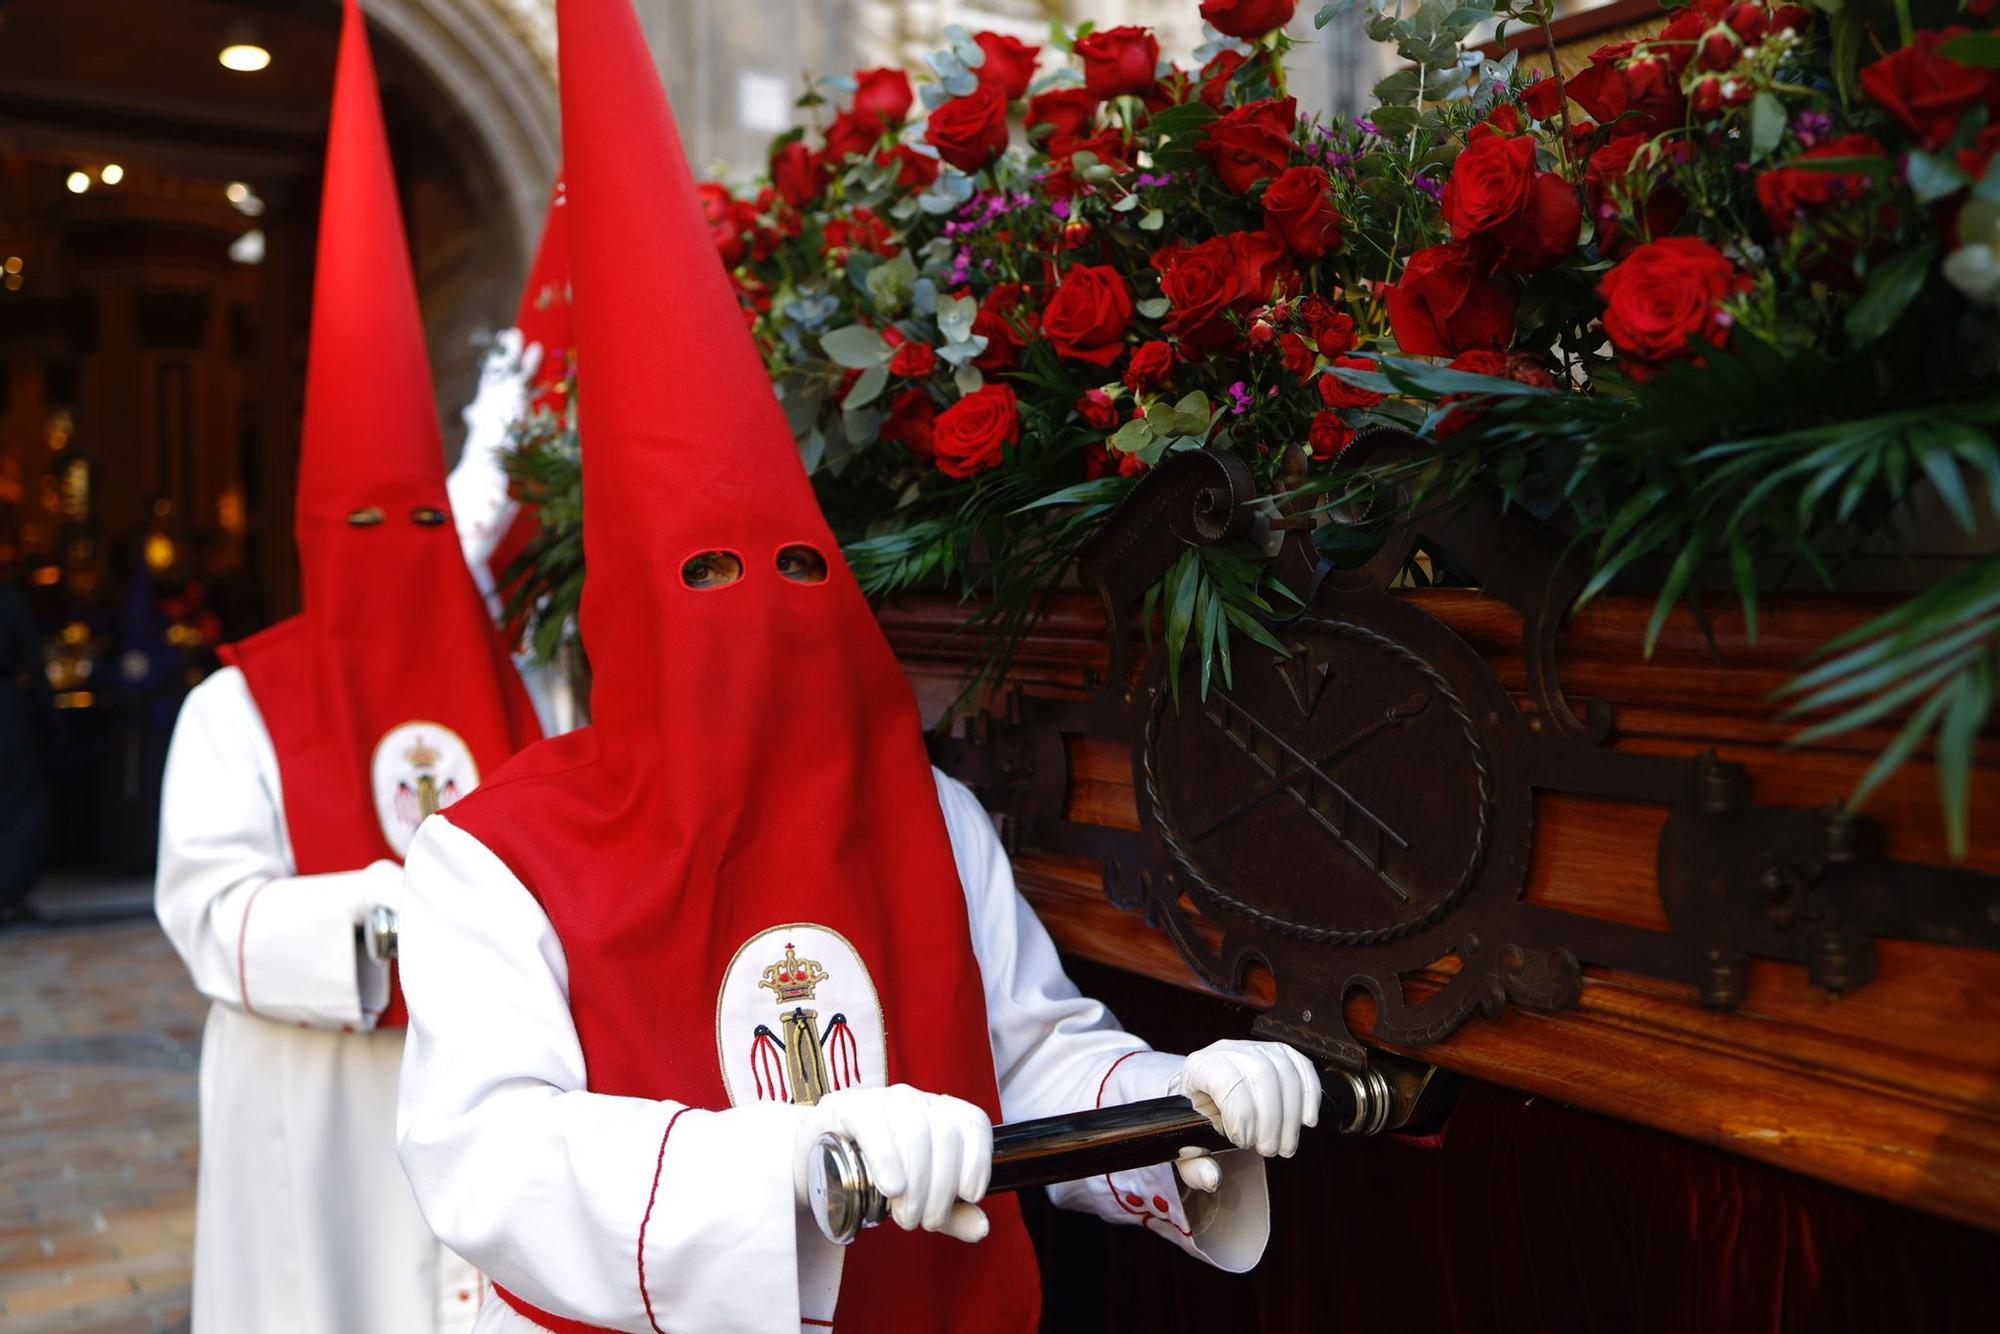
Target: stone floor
point(99, 1032)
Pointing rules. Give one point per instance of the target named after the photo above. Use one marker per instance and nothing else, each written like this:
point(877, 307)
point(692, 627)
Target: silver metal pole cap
point(844, 1199)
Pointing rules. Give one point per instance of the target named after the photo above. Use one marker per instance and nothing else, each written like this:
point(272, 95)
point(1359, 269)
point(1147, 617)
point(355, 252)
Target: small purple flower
point(1431, 186)
point(1241, 393)
point(1367, 127)
point(1811, 126)
point(1061, 209)
point(1155, 181)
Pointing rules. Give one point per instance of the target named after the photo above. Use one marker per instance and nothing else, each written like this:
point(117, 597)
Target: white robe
point(550, 1188)
point(304, 1224)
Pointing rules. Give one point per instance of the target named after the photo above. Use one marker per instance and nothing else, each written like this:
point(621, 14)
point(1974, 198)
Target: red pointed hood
point(544, 315)
point(755, 783)
point(391, 693)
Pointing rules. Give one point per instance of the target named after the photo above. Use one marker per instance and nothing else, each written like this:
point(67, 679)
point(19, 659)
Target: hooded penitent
point(527, 371)
point(745, 857)
point(391, 693)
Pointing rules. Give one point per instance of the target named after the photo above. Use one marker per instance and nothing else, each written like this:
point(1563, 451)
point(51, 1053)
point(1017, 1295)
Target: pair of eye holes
point(371, 516)
point(709, 570)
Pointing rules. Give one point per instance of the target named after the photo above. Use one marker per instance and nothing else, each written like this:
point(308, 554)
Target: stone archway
point(496, 60)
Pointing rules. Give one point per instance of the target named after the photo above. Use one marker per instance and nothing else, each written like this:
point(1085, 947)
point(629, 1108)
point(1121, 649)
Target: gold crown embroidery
point(793, 978)
point(422, 755)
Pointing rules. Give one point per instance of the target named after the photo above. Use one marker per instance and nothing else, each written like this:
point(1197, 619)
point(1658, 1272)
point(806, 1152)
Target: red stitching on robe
point(1145, 1215)
point(658, 1163)
point(242, 933)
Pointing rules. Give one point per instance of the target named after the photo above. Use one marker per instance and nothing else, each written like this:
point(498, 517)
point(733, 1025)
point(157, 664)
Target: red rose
point(995, 322)
point(883, 94)
point(974, 432)
point(852, 134)
point(1248, 19)
point(1336, 392)
point(724, 222)
point(1666, 297)
point(1117, 61)
point(1097, 461)
point(1068, 112)
point(1150, 366)
point(797, 173)
point(1131, 465)
point(1215, 77)
point(1648, 86)
point(1331, 435)
point(1448, 302)
point(1496, 191)
point(1298, 210)
point(913, 360)
point(1499, 365)
point(1108, 146)
point(1298, 357)
point(1608, 180)
point(1927, 92)
point(1010, 64)
point(1543, 98)
point(970, 131)
point(914, 170)
point(1089, 313)
point(861, 229)
point(1205, 282)
point(1976, 156)
point(1251, 143)
point(1791, 193)
point(1332, 330)
point(912, 421)
point(1097, 409)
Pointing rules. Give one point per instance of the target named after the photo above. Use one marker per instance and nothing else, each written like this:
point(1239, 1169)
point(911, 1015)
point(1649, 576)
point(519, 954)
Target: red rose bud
point(1448, 301)
point(912, 419)
point(974, 433)
point(884, 94)
point(1070, 114)
point(970, 131)
point(1131, 465)
point(1010, 64)
point(1262, 334)
point(1542, 98)
point(1750, 22)
point(1330, 436)
point(1076, 234)
point(1087, 317)
point(1215, 77)
point(1791, 194)
point(1791, 18)
point(797, 174)
point(852, 134)
point(1248, 19)
point(1150, 366)
point(1298, 357)
point(1927, 92)
point(1338, 393)
point(1665, 300)
point(1707, 100)
point(1719, 50)
point(1299, 211)
point(914, 170)
point(913, 361)
point(1117, 61)
point(1098, 409)
point(1251, 143)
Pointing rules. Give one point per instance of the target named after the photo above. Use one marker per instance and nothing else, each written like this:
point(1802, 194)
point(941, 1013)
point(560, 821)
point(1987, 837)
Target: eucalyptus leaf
point(1767, 125)
point(1933, 176)
point(1153, 308)
point(867, 388)
point(856, 347)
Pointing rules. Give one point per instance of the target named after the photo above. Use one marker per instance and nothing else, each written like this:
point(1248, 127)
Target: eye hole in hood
point(801, 564)
point(709, 570)
point(368, 516)
point(428, 516)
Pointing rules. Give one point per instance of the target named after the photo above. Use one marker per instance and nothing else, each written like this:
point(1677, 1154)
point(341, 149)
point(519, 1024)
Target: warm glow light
point(112, 173)
point(237, 192)
point(13, 264)
point(244, 58)
point(78, 182)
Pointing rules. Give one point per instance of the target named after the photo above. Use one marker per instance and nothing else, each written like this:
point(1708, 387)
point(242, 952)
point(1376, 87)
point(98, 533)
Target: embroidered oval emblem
point(798, 1018)
point(419, 769)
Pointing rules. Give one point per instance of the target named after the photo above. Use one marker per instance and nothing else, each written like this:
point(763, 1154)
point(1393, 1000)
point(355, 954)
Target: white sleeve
point(620, 1212)
point(1056, 1050)
point(252, 934)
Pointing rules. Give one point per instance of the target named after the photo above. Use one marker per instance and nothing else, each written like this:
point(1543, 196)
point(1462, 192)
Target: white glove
point(928, 1154)
point(1258, 1094)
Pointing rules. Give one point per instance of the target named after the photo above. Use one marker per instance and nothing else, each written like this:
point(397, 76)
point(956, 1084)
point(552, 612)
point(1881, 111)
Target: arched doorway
point(157, 224)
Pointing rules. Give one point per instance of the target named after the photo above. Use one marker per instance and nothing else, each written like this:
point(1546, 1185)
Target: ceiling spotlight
point(13, 264)
point(112, 173)
point(237, 192)
point(248, 248)
point(78, 182)
point(241, 51)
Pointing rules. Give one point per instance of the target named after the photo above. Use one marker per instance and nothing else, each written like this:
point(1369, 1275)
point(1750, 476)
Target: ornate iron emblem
point(1362, 806)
